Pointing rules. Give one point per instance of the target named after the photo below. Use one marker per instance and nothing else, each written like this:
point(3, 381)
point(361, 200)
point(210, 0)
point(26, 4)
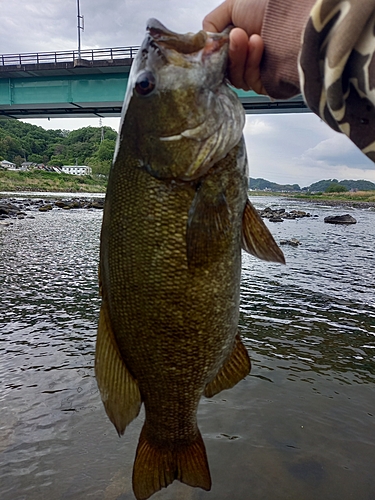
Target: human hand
point(245, 44)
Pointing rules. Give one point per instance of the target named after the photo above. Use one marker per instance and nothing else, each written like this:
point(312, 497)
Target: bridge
point(89, 84)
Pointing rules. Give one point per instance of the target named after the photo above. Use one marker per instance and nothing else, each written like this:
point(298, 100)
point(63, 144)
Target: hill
point(263, 185)
point(323, 185)
point(92, 146)
point(320, 186)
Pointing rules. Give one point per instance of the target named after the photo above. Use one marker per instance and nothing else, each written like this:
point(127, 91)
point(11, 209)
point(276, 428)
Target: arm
point(275, 24)
point(322, 48)
point(336, 68)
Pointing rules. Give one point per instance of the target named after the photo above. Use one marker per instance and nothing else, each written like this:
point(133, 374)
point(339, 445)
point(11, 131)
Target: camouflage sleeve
point(326, 50)
point(337, 68)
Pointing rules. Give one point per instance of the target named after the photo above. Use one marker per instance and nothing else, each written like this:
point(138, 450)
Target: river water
point(301, 426)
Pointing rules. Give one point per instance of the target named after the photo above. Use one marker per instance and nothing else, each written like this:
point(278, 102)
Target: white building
point(76, 169)
point(8, 165)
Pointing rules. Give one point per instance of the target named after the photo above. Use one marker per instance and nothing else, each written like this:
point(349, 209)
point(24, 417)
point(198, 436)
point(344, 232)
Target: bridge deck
point(87, 84)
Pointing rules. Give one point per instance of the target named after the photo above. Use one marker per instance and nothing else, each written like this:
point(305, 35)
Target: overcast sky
point(293, 148)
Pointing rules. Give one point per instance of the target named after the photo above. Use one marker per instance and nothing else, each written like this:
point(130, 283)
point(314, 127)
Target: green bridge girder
point(90, 89)
point(63, 96)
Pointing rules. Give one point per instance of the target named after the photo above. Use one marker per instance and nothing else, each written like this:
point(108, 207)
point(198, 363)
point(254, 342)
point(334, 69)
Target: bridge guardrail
point(68, 56)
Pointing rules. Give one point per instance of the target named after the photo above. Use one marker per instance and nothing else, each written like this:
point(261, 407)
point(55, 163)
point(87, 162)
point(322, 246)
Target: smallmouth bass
point(175, 218)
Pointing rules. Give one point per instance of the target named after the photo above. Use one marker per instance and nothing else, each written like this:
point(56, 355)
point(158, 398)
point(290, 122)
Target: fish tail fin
point(155, 468)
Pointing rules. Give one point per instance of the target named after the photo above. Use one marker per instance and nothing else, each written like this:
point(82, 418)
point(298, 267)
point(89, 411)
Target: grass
point(359, 196)
point(39, 180)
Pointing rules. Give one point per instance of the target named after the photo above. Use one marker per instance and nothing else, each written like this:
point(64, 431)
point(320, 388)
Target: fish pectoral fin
point(118, 388)
point(256, 237)
point(236, 368)
point(155, 467)
point(208, 226)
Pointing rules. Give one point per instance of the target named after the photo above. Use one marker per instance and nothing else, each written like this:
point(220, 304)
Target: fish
point(176, 217)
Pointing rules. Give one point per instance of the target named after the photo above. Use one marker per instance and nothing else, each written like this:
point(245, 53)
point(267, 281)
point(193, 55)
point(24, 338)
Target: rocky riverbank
point(339, 203)
point(279, 215)
point(14, 208)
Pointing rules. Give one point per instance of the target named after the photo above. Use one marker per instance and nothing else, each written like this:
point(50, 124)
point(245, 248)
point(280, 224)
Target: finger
point(238, 47)
point(217, 20)
point(252, 68)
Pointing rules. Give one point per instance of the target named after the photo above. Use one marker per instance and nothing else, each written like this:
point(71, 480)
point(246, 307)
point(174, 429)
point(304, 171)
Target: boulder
point(276, 218)
point(45, 208)
point(293, 242)
point(340, 219)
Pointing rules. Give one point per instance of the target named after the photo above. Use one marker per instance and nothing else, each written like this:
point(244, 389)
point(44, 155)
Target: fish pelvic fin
point(256, 237)
point(236, 368)
point(155, 467)
point(118, 388)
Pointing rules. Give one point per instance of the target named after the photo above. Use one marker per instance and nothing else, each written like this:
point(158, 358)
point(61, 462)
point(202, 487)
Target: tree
point(106, 150)
point(35, 158)
point(335, 187)
point(18, 160)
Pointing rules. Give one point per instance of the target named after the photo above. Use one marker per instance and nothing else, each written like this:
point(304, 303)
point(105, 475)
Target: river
point(301, 426)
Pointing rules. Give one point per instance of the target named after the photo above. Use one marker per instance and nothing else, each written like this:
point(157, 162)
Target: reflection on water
point(302, 425)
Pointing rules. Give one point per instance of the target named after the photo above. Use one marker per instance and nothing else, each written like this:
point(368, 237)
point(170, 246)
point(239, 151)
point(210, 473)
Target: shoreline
point(338, 203)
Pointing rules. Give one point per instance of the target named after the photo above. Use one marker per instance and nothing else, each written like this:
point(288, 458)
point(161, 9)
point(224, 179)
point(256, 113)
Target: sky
point(288, 149)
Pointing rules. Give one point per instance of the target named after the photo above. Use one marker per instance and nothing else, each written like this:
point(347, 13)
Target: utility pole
point(80, 26)
point(102, 131)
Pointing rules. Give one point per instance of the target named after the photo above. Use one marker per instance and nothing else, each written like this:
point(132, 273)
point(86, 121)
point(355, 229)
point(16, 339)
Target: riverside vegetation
point(94, 146)
point(39, 180)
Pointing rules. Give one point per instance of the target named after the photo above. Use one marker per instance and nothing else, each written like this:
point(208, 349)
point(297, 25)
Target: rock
point(97, 204)
point(45, 208)
point(276, 214)
point(340, 219)
point(60, 204)
point(292, 242)
point(14, 208)
point(275, 218)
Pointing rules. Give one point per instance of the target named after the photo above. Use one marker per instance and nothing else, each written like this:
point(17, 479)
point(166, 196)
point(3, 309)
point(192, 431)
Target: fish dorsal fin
point(256, 237)
point(118, 388)
point(236, 368)
point(155, 467)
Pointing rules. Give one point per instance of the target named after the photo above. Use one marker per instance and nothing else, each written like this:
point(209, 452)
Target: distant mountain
point(262, 185)
point(324, 184)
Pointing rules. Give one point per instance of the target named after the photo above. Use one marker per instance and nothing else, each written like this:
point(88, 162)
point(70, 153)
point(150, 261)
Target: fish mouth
point(189, 43)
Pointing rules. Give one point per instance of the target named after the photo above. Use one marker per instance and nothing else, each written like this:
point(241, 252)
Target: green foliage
point(361, 185)
point(25, 142)
point(105, 151)
point(50, 181)
point(261, 184)
point(335, 187)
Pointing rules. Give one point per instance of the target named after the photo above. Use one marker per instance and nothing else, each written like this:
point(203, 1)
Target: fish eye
point(145, 83)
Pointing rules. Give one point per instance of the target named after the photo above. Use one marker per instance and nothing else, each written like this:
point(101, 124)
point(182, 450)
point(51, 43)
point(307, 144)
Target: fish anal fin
point(256, 237)
point(156, 467)
point(118, 388)
point(208, 226)
point(236, 368)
